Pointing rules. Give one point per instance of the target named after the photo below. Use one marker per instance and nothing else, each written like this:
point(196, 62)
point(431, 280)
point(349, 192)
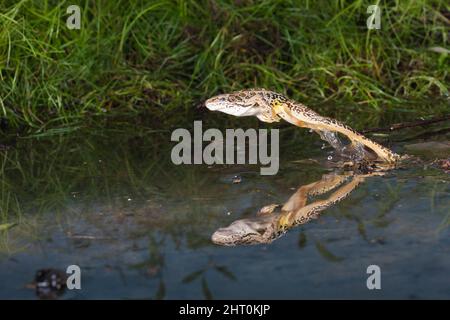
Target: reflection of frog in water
point(272, 221)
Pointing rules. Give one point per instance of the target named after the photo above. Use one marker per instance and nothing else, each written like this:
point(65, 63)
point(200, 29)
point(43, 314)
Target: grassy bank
point(162, 58)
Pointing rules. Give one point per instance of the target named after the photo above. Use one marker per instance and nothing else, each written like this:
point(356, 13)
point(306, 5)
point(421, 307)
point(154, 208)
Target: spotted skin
point(269, 106)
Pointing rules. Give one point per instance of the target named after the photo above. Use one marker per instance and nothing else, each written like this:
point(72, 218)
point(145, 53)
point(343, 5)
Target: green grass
point(162, 58)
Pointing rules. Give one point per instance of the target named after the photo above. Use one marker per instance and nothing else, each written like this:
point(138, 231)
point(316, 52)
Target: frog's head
point(249, 102)
point(240, 103)
point(245, 231)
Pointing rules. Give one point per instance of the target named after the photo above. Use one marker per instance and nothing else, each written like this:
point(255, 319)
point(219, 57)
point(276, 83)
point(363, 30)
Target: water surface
point(140, 227)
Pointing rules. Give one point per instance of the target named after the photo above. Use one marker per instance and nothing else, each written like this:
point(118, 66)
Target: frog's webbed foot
point(269, 209)
point(366, 167)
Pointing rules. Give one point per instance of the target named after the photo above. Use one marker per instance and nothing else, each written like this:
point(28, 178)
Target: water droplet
point(228, 213)
point(323, 146)
point(129, 199)
point(330, 158)
point(236, 179)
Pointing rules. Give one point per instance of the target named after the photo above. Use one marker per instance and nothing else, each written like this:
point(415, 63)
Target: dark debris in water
point(49, 283)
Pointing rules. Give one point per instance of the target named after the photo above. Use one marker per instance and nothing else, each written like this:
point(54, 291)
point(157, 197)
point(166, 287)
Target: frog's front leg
point(269, 116)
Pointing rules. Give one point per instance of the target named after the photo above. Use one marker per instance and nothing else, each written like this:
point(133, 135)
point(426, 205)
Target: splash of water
point(359, 152)
point(355, 151)
point(332, 139)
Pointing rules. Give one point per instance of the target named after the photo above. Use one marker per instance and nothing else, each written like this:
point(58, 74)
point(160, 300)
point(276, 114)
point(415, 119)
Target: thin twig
point(398, 126)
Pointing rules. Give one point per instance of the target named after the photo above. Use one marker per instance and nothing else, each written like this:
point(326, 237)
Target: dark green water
point(140, 227)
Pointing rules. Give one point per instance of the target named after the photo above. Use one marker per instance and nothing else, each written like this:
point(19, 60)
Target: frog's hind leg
point(306, 213)
point(324, 185)
point(268, 210)
point(301, 116)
